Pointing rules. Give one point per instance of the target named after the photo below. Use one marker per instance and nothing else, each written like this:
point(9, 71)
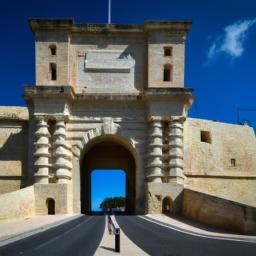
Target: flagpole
point(109, 11)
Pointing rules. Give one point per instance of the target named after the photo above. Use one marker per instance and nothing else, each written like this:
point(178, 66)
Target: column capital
point(179, 119)
point(60, 118)
point(40, 118)
point(155, 119)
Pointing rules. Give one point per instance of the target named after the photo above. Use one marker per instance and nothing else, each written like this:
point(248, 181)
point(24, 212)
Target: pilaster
point(62, 153)
point(175, 136)
point(42, 155)
point(154, 167)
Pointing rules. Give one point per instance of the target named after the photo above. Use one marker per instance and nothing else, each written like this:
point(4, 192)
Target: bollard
point(117, 240)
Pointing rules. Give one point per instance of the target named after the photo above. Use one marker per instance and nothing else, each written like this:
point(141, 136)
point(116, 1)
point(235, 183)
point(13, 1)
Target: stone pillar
point(154, 173)
point(175, 134)
point(42, 152)
point(62, 153)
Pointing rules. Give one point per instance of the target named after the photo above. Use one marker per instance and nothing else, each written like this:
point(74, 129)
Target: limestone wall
point(13, 148)
point(18, 204)
point(208, 166)
point(219, 212)
point(118, 67)
point(44, 40)
point(157, 41)
point(101, 58)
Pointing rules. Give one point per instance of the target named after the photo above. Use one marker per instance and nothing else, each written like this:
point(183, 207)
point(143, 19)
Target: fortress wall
point(18, 204)
point(208, 165)
point(13, 148)
point(219, 212)
point(239, 190)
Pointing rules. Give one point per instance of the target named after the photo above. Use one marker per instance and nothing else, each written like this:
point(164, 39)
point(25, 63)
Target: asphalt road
point(74, 238)
point(157, 240)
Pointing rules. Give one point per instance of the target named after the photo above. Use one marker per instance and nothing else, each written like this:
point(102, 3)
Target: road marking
point(19, 236)
point(57, 237)
point(196, 234)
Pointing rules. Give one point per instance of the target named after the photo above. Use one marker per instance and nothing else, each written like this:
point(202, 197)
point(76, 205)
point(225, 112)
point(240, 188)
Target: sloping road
point(157, 240)
point(77, 237)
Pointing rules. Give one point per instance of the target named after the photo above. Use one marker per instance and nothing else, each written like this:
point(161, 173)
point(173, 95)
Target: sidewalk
point(11, 231)
point(197, 228)
point(107, 245)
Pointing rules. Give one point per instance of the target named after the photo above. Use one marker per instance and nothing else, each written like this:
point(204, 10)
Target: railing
point(114, 229)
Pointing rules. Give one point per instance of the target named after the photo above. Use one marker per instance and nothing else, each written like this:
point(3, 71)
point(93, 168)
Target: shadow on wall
point(219, 212)
point(13, 158)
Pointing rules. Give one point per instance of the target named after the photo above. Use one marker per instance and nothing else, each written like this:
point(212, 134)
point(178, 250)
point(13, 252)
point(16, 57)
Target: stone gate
point(112, 84)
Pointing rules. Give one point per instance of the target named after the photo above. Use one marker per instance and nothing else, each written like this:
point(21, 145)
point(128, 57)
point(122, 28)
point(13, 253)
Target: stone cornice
point(42, 91)
point(67, 92)
point(71, 26)
point(174, 93)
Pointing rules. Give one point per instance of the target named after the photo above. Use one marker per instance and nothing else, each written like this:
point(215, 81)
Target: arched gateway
point(107, 152)
point(104, 103)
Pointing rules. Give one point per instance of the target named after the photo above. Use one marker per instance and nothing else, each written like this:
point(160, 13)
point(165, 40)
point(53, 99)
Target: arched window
point(167, 205)
point(53, 49)
point(50, 204)
point(167, 73)
point(53, 71)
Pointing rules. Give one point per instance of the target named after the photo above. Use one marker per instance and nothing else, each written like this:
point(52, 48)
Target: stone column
point(154, 173)
point(175, 134)
point(62, 153)
point(42, 152)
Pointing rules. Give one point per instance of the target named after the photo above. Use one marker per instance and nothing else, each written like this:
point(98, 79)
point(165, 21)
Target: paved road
point(74, 238)
point(157, 240)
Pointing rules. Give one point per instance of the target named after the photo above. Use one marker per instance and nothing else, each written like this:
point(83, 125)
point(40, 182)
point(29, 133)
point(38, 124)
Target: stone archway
point(107, 153)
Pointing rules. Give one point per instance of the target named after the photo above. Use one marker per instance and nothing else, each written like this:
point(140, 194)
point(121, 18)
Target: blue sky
point(106, 183)
point(223, 82)
point(220, 51)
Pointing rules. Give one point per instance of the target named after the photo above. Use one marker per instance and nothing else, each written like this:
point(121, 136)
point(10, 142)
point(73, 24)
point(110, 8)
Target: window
point(206, 137)
point(233, 162)
point(167, 73)
point(168, 51)
point(53, 49)
point(53, 71)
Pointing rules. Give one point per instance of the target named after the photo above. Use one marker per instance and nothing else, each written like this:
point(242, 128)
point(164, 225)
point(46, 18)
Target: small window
point(167, 73)
point(206, 137)
point(233, 162)
point(53, 71)
point(167, 51)
point(53, 49)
